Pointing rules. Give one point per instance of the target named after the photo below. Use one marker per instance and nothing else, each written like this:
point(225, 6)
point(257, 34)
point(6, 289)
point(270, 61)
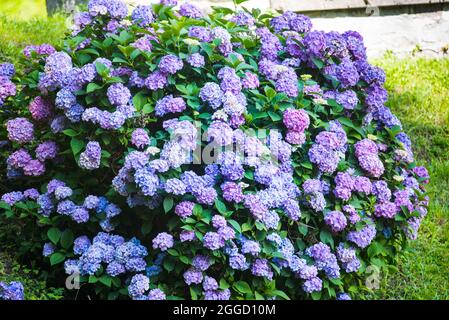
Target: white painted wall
point(399, 33)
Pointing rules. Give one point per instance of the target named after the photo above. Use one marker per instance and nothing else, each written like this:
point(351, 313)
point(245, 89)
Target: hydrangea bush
point(172, 154)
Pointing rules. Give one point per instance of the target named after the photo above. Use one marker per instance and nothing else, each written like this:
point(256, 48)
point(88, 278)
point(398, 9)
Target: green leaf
point(246, 227)
point(184, 259)
point(4, 205)
point(91, 87)
point(242, 287)
point(326, 237)
point(280, 293)
point(148, 108)
point(56, 258)
point(139, 100)
point(101, 69)
point(318, 63)
point(269, 92)
point(258, 296)
point(76, 145)
point(197, 210)
point(221, 207)
point(106, 280)
point(193, 294)
point(54, 234)
point(173, 252)
point(236, 225)
point(169, 265)
point(168, 204)
point(316, 295)
point(146, 227)
point(67, 239)
point(224, 284)
point(70, 132)
point(274, 116)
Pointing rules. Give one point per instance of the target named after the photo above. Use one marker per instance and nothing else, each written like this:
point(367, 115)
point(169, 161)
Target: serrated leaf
point(280, 293)
point(106, 280)
point(70, 132)
point(221, 207)
point(76, 145)
point(54, 234)
point(173, 252)
point(168, 204)
point(235, 225)
point(274, 116)
point(67, 239)
point(139, 100)
point(242, 287)
point(326, 238)
point(146, 228)
point(91, 87)
point(56, 258)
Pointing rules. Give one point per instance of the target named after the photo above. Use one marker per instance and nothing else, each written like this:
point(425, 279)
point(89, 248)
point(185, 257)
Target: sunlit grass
point(15, 35)
point(23, 9)
point(419, 95)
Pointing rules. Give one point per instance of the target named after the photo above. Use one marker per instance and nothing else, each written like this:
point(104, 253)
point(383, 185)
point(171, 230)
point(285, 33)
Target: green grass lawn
point(23, 9)
point(16, 34)
point(419, 96)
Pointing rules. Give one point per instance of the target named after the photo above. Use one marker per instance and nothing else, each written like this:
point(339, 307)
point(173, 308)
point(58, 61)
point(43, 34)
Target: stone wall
point(385, 24)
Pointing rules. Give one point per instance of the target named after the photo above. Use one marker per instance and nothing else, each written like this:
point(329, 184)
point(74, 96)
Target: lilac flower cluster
point(296, 121)
point(109, 251)
point(314, 194)
point(12, 291)
point(7, 87)
point(90, 158)
point(329, 148)
point(366, 152)
point(23, 163)
point(138, 286)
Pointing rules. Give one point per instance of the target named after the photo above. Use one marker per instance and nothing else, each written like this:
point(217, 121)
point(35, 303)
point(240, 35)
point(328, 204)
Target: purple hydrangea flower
point(163, 241)
point(169, 104)
point(20, 130)
point(142, 15)
point(139, 284)
point(118, 94)
point(90, 158)
point(156, 294)
point(140, 138)
point(196, 60)
point(12, 291)
point(201, 33)
point(347, 74)
point(170, 64)
point(296, 120)
point(212, 241)
point(156, 80)
point(201, 262)
point(212, 94)
point(40, 108)
point(48, 249)
point(243, 18)
point(261, 268)
point(363, 237)
point(184, 209)
point(232, 192)
point(191, 11)
point(46, 150)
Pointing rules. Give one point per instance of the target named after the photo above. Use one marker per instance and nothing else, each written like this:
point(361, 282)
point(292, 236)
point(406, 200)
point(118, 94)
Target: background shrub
point(315, 235)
